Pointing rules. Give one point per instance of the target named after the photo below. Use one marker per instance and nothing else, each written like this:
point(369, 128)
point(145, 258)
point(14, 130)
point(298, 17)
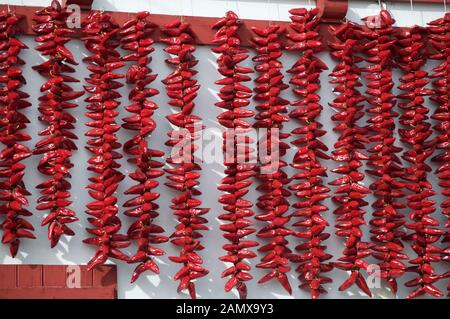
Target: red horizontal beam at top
point(201, 26)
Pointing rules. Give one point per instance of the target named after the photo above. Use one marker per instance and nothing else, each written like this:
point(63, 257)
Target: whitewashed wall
point(73, 251)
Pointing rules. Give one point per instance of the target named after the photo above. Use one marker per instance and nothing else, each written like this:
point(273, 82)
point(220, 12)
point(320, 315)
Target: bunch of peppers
point(350, 193)
point(135, 37)
point(309, 186)
point(57, 143)
point(181, 88)
point(411, 59)
point(439, 35)
point(387, 188)
point(13, 192)
point(272, 108)
point(238, 154)
point(100, 39)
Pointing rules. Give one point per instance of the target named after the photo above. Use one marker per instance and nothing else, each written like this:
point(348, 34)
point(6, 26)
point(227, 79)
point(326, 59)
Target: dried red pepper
point(272, 107)
point(385, 164)
point(57, 144)
point(100, 39)
point(439, 34)
point(13, 192)
point(135, 36)
point(181, 88)
point(348, 152)
point(411, 58)
point(234, 96)
point(309, 185)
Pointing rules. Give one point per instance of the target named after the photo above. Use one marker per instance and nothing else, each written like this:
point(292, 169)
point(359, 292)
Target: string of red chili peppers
point(237, 153)
point(411, 59)
point(350, 194)
point(387, 188)
point(57, 143)
point(99, 36)
point(439, 36)
point(12, 123)
point(135, 37)
point(309, 187)
point(181, 88)
point(272, 107)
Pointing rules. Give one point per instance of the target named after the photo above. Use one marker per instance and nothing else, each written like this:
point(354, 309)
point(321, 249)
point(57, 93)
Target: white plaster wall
point(73, 251)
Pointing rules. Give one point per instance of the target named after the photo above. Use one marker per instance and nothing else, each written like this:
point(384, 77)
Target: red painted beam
point(84, 4)
point(200, 25)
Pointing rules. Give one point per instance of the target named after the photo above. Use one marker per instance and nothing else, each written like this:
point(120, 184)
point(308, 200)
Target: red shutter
point(57, 282)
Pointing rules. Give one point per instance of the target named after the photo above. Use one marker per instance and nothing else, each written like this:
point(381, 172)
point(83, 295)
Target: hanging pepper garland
point(99, 36)
point(272, 107)
point(135, 38)
point(387, 188)
point(13, 192)
point(439, 30)
point(309, 186)
point(57, 143)
point(181, 88)
point(350, 192)
point(411, 57)
point(234, 96)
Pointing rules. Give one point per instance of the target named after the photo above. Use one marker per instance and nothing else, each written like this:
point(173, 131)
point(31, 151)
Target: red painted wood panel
point(8, 276)
point(54, 276)
point(57, 282)
point(58, 293)
point(29, 276)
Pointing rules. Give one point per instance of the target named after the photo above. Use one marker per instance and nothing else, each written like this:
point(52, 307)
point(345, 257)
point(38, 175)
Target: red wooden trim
point(58, 293)
point(57, 281)
point(84, 4)
point(200, 25)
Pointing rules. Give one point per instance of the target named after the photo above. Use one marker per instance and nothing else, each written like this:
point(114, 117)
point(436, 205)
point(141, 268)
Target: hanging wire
point(445, 6)
point(182, 11)
point(278, 12)
point(411, 3)
point(382, 4)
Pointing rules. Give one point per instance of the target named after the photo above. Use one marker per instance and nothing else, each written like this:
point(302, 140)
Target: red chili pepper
point(182, 88)
point(235, 95)
point(309, 188)
point(142, 206)
point(441, 98)
point(350, 193)
point(387, 188)
point(101, 40)
point(57, 144)
point(273, 204)
point(13, 190)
